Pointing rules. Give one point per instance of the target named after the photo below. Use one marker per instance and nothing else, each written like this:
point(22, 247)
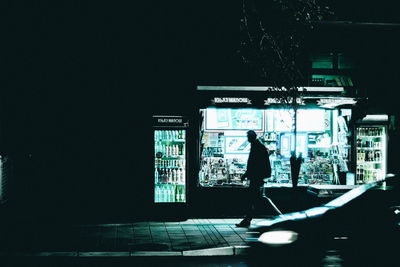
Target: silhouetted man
point(258, 168)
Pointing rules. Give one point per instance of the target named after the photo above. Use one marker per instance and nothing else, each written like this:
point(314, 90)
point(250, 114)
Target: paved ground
point(190, 237)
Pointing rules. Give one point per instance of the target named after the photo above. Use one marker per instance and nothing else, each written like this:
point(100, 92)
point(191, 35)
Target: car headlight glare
point(278, 238)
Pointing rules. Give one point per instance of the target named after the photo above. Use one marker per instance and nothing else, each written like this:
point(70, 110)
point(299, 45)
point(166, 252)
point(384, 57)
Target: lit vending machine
point(170, 159)
point(371, 147)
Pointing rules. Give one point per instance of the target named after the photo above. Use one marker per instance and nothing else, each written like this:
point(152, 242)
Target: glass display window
point(224, 148)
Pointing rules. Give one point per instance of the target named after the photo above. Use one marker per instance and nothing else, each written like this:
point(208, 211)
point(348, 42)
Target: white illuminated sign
point(270, 101)
point(231, 100)
point(382, 117)
point(170, 120)
point(333, 102)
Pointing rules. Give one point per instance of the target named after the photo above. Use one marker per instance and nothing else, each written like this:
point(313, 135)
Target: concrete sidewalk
point(193, 237)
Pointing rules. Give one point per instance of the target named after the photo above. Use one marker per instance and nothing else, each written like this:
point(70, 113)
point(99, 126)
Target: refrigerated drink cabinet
point(170, 159)
point(371, 147)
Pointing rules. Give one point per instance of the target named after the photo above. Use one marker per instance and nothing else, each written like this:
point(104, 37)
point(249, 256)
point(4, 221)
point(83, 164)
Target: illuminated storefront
point(324, 138)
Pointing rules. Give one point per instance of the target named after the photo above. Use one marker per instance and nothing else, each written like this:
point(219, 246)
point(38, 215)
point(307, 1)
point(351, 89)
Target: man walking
point(258, 168)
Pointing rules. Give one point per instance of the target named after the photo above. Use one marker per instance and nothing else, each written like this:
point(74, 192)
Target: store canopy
point(323, 97)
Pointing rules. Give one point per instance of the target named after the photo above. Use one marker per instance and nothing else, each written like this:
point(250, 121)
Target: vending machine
point(371, 149)
point(170, 159)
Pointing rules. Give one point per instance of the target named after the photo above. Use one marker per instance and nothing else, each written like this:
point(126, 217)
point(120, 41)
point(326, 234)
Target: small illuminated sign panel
point(271, 101)
point(168, 121)
point(231, 100)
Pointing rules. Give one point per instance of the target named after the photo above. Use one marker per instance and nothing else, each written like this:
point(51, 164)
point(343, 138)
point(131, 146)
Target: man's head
point(251, 136)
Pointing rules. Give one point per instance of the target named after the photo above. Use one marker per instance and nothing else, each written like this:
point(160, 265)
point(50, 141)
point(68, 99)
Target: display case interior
point(169, 166)
point(322, 139)
point(371, 153)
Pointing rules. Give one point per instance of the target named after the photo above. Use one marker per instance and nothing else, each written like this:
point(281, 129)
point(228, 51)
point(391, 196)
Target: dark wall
point(80, 81)
point(75, 115)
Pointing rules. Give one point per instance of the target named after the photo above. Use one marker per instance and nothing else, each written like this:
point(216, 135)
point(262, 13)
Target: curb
point(219, 251)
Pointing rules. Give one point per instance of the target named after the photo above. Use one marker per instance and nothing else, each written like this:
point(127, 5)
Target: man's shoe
point(243, 223)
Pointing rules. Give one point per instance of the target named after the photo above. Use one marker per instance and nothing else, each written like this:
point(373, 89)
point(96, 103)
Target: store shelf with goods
point(371, 162)
point(319, 146)
point(169, 175)
point(173, 157)
point(171, 141)
point(169, 193)
point(169, 163)
point(170, 183)
point(370, 136)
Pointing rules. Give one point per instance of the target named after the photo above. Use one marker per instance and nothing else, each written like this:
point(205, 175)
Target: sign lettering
point(170, 120)
point(231, 100)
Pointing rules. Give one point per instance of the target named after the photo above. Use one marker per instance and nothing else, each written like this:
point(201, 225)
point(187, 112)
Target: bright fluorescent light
point(381, 117)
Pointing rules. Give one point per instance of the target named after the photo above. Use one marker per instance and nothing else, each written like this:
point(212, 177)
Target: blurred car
point(362, 225)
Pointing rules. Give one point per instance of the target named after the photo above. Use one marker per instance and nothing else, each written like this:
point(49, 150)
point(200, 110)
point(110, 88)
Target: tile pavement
point(190, 237)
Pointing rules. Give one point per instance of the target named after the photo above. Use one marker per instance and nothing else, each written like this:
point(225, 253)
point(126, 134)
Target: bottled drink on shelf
point(178, 175)
point(170, 193)
point(177, 193)
point(174, 178)
point(183, 195)
point(180, 193)
point(162, 194)
point(378, 155)
point(165, 176)
point(156, 176)
point(162, 149)
point(167, 193)
point(176, 150)
point(160, 175)
point(169, 151)
point(370, 155)
point(183, 176)
point(157, 194)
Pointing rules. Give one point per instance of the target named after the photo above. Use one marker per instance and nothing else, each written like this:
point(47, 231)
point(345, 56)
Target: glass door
point(371, 153)
point(169, 166)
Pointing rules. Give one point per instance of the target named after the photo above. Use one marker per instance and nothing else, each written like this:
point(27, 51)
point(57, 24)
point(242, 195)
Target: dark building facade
point(82, 83)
